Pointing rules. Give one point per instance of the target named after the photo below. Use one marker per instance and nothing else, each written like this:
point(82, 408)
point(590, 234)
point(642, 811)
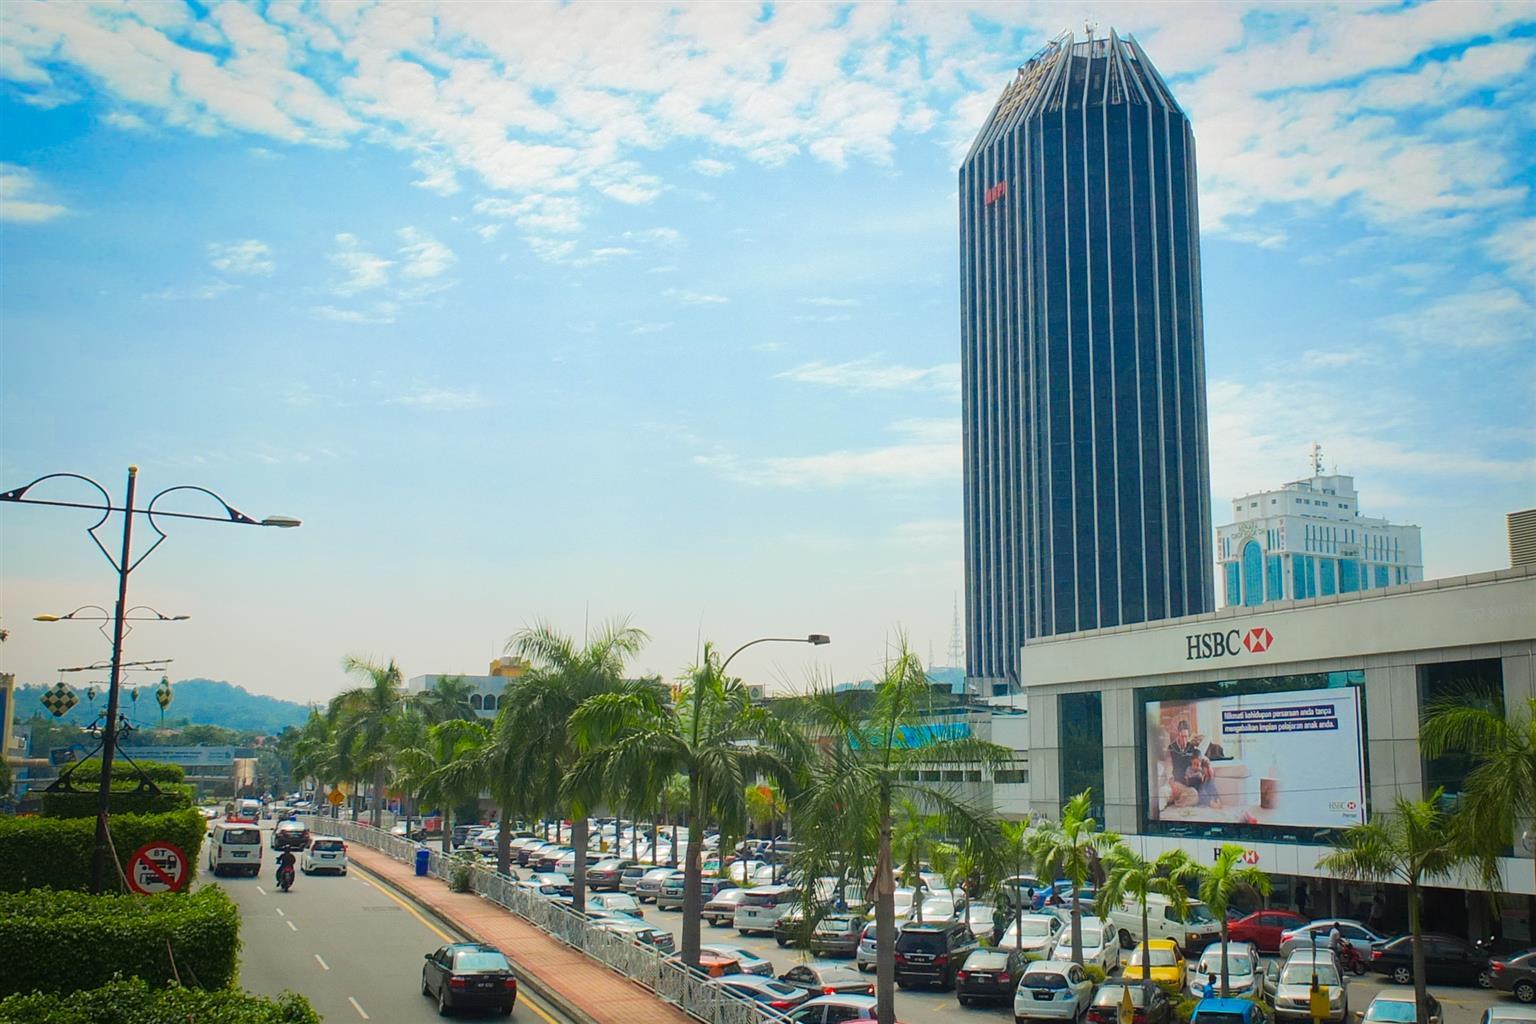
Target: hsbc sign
point(1226, 643)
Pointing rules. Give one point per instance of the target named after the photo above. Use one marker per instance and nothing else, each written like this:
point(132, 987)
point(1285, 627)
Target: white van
point(233, 848)
point(1192, 931)
point(761, 907)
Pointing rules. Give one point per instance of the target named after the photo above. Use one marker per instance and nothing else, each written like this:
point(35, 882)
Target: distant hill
point(198, 701)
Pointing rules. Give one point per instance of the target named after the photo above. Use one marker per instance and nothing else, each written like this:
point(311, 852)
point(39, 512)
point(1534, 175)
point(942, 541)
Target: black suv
point(290, 835)
point(931, 954)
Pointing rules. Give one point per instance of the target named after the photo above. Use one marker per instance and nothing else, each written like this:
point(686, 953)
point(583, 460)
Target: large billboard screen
point(1287, 759)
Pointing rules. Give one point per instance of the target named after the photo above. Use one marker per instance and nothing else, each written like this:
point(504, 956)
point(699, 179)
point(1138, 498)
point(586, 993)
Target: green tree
point(362, 717)
point(449, 771)
point(766, 808)
point(713, 735)
point(535, 748)
point(1012, 854)
point(912, 839)
point(1418, 842)
point(315, 760)
point(446, 700)
point(1219, 883)
point(1071, 849)
point(1130, 876)
point(873, 746)
point(1500, 786)
point(673, 797)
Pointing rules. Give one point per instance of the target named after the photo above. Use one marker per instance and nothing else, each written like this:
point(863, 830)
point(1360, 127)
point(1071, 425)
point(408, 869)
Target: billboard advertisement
point(1287, 759)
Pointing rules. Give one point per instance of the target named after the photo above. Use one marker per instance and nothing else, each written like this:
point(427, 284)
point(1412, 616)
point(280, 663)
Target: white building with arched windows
point(1308, 539)
point(489, 689)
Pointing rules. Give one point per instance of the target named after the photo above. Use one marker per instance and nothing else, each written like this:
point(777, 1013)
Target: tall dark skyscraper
point(1087, 498)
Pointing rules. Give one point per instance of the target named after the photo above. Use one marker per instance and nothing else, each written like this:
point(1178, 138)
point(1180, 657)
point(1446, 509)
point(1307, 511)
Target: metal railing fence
point(643, 964)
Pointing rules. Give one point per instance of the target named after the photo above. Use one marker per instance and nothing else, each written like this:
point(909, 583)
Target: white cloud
point(687, 297)
point(488, 232)
point(1514, 244)
point(538, 213)
point(824, 301)
point(19, 202)
point(423, 255)
point(250, 257)
point(1488, 314)
point(436, 399)
point(650, 328)
point(869, 375)
point(661, 238)
point(125, 121)
point(201, 292)
point(365, 271)
point(438, 174)
point(712, 168)
point(929, 455)
point(380, 313)
point(1319, 359)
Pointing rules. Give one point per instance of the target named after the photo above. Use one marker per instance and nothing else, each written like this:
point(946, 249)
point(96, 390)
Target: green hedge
point(55, 853)
point(158, 771)
point(54, 941)
point(131, 1001)
point(125, 800)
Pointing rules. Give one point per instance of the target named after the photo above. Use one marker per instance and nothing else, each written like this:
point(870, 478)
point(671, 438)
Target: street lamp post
point(125, 563)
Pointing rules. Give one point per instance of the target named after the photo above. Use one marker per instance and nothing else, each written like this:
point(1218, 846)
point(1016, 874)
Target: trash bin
point(423, 860)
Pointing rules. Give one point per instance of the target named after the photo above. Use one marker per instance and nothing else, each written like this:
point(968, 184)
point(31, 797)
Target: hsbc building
point(1274, 727)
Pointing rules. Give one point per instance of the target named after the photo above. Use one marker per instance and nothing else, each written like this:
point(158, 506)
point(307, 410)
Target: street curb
point(524, 977)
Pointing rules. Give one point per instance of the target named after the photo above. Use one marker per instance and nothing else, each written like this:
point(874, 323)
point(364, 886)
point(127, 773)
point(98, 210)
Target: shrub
point(125, 800)
point(1095, 973)
point(159, 772)
point(461, 871)
point(54, 941)
point(55, 853)
point(131, 1001)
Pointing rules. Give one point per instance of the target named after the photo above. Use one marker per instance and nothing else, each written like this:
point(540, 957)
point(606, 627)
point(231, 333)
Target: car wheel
point(1525, 991)
point(506, 1011)
point(1126, 942)
point(1484, 978)
point(1402, 975)
point(964, 1000)
point(442, 1001)
point(782, 942)
point(426, 989)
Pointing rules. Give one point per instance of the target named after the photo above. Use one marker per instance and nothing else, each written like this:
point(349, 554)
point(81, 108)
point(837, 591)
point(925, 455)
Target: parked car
point(838, 1009)
point(460, 835)
point(771, 992)
point(290, 835)
point(1506, 1014)
point(1105, 1008)
point(836, 935)
point(615, 903)
point(789, 929)
point(1052, 990)
point(1245, 972)
point(865, 956)
point(1192, 930)
point(1159, 959)
point(1401, 1008)
point(826, 978)
point(750, 962)
point(1293, 991)
point(989, 976)
point(1035, 934)
point(1215, 1010)
point(639, 931)
point(324, 854)
point(1515, 974)
point(469, 974)
point(1447, 960)
point(672, 892)
point(928, 954)
point(605, 874)
point(760, 908)
point(1355, 933)
point(720, 911)
point(1264, 928)
point(646, 885)
point(1099, 944)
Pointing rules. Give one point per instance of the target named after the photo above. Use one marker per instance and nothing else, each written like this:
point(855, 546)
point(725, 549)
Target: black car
point(931, 953)
point(824, 979)
point(1447, 960)
point(990, 976)
point(469, 974)
point(1515, 974)
point(1105, 1007)
point(289, 835)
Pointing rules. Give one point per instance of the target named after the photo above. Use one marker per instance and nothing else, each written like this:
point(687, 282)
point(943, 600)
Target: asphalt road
point(349, 944)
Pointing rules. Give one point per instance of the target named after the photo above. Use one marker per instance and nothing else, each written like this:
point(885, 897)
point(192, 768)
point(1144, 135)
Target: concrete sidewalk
point(579, 986)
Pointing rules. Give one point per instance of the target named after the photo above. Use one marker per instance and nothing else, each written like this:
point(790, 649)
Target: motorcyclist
point(285, 862)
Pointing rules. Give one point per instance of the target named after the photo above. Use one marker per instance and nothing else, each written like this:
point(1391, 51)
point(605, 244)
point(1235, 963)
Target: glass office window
point(1082, 747)
point(1253, 573)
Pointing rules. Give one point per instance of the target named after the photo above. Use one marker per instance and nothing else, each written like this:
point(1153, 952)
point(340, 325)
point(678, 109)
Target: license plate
point(1043, 996)
point(981, 977)
point(239, 855)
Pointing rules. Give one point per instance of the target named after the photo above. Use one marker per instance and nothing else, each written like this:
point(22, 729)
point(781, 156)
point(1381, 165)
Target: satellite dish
point(1528, 841)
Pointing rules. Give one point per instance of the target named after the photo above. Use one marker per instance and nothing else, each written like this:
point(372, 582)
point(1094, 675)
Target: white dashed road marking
point(358, 1007)
point(279, 911)
point(323, 965)
point(290, 926)
point(261, 890)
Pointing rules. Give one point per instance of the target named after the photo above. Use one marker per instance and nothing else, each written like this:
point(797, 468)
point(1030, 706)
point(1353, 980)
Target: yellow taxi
point(1160, 957)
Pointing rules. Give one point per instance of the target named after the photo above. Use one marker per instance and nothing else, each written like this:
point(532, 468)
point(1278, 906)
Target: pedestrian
point(1378, 918)
point(1302, 900)
point(1000, 915)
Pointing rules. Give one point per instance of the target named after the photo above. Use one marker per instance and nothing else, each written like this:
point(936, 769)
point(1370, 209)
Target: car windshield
point(1092, 937)
point(921, 942)
point(1237, 963)
point(1398, 1011)
point(621, 900)
point(480, 961)
point(1218, 1017)
point(986, 960)
point(1111, 995)
point(1045, 979)
point(242, 837)
point(1157, 956)
point(1301, 974)
point(1198, 913)
point(327, 844)
point(835, 924)
point(1038, 928)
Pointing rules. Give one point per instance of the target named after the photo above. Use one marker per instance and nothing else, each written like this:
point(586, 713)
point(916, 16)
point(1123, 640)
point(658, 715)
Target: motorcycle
point(1352, 959)
point(285, 877)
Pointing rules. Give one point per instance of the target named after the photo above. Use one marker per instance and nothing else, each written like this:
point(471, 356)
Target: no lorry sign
point(157, 867)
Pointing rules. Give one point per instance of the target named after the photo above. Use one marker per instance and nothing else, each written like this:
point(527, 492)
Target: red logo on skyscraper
point(1258, 640)
point(997, 192)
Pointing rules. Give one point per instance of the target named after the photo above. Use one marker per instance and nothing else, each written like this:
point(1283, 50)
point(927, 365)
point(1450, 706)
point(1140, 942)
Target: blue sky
point(571, 311)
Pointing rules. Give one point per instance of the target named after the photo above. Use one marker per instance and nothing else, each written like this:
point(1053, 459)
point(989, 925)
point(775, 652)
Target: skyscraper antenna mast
point(1317, 459)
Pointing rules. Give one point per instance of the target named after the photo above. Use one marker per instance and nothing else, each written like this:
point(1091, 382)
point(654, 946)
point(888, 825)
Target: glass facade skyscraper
point(1087, 497)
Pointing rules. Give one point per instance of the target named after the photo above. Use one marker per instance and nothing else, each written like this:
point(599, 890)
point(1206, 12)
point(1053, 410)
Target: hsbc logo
point(1220, 644)
point(996, 192)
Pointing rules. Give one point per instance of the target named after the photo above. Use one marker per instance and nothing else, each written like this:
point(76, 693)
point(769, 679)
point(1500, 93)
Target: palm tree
point(1130, 876)
point(1012, 850)
point(1418, 842)
point(446, 700)
point(1500, 785)
point(712, 734)
point(1071, 849)
point(911, 839)
point(450, 769)
point(1220, 882)
point(766, 808)
point(872, 747)
point(362, 717)
point(534, 747)
point(674, 800)
point(314, 751)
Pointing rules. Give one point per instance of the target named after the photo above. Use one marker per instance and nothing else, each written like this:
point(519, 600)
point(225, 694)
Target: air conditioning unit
point(757, 691)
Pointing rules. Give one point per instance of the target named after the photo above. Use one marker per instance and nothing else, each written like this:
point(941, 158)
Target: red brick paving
point(595, 990)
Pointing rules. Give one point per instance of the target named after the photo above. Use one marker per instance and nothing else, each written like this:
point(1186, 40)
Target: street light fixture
point(125, 563)
point(815, 640)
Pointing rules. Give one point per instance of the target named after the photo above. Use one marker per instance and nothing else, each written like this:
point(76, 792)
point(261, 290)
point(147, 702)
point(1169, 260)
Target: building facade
point(1274, 727)
point(489, 689)
point(1082, 358)
point(1308, 539)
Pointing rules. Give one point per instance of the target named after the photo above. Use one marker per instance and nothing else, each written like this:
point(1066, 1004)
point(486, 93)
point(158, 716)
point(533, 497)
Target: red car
point(1263, 928)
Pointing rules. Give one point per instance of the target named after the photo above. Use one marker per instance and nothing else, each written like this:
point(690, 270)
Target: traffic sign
point(336, 798)
point(157, 867)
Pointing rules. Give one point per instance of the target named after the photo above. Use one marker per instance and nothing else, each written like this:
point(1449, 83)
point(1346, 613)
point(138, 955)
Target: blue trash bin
point(423, 860)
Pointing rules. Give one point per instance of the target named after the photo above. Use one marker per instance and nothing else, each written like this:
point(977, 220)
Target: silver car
point(1245, 972)
point(1353, 932)
point(1293, 991)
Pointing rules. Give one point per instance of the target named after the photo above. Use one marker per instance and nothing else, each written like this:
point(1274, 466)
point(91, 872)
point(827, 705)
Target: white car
point(1100, 944)
point(324, 854)
point(1245, 972)
point(1036, 937)
point(1052, 990)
